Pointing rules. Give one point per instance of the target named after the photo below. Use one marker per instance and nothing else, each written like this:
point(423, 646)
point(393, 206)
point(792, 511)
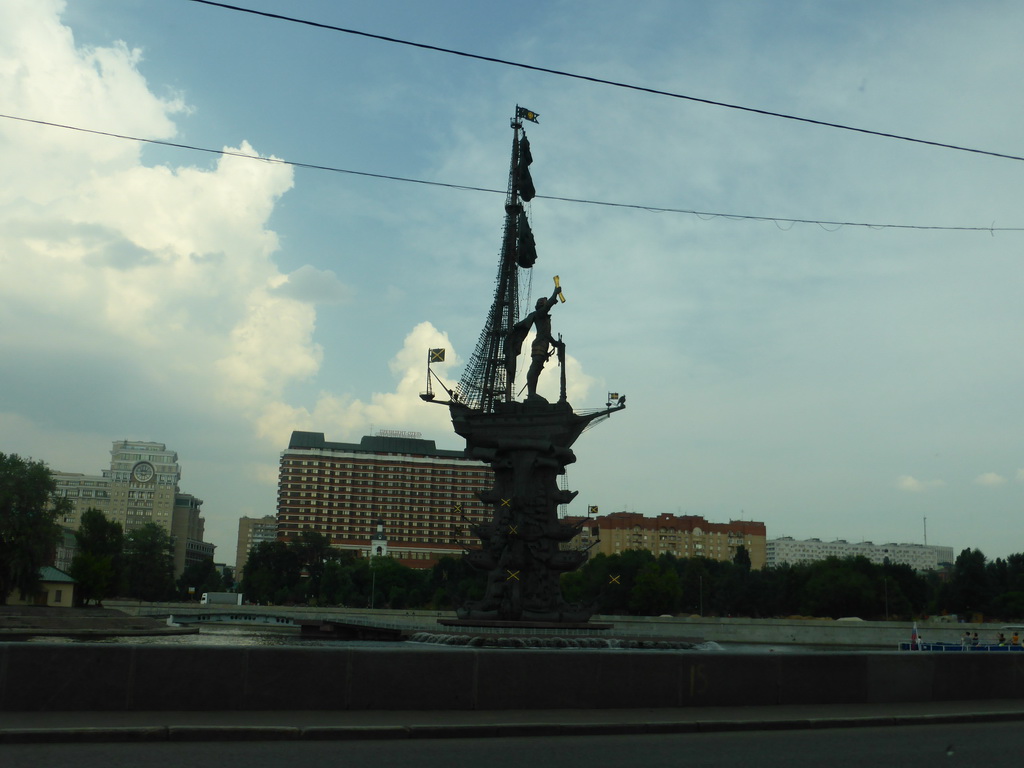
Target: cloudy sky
point(831, 381)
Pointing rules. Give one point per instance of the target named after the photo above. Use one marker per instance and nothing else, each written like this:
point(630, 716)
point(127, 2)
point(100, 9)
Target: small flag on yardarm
point(592, 510)
point(437, 355)
point(613, 396)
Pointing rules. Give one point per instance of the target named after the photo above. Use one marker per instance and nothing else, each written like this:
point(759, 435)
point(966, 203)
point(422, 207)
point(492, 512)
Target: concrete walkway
point(54, 727)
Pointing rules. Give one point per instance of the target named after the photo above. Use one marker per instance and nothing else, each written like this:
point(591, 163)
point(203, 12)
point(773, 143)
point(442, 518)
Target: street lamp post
point(373, 581)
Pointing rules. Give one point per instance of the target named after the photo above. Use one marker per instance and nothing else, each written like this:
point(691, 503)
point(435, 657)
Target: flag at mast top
point(523, 113)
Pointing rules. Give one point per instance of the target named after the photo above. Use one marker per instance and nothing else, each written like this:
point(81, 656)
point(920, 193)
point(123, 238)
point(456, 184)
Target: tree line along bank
point(309, 571)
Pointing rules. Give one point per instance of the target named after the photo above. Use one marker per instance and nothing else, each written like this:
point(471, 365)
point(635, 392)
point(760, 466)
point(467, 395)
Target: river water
point(239, 637)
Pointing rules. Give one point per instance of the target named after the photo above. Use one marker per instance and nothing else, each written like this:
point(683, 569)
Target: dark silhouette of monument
point(528, 444)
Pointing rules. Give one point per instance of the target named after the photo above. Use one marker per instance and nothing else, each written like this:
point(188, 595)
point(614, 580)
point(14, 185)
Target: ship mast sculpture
point(528, 444)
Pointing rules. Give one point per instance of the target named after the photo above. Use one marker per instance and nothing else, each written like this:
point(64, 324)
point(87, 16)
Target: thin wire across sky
point(468, 188)
point(584, 201)
point(602, 81)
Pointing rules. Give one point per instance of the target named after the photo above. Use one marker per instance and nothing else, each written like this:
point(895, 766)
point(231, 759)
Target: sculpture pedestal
point(528, 445)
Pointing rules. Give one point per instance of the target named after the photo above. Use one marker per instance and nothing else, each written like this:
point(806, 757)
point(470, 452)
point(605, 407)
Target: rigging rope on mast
point(486, 379)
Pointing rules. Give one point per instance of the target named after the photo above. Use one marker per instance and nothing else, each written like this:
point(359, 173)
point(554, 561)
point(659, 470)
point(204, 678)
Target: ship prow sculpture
point(528, 444)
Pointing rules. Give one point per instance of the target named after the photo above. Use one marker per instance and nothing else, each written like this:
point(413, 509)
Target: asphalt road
point(968, 745)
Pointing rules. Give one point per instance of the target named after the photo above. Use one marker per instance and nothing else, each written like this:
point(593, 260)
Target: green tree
point(227, 580)
point(202, 577)
point(607, 581)
point(733, 587)
point(336, 583)
point(903, 593)
point(98, 560)
point(969, 586)
point(657, 590)
point(28, 523)
point(378, 576)
point(742, 559)
point(697, 585)
point(312, 547)
point(1015, 577)
point(271, 573)
point(840, 588)
point(453, 581)
point(1009, 605)
point(313, 550)
point(149, 564)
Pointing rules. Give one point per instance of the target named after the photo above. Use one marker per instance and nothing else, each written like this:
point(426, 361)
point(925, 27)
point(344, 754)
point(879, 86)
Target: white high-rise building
point(920, 557)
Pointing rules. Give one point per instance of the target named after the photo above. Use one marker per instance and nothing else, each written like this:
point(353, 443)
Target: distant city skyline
point(838, 382)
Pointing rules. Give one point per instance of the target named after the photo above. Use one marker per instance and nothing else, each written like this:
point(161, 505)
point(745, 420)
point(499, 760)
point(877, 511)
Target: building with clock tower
point(140, 487)
point(144, 480)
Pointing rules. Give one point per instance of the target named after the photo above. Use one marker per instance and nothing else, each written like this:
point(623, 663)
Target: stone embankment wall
point(820, 632)
point(44, 676)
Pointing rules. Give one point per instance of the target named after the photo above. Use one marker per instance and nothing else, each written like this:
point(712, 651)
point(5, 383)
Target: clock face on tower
point(143, 472)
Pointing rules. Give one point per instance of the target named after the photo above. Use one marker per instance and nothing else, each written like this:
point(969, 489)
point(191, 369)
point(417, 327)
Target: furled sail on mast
point(485, 382)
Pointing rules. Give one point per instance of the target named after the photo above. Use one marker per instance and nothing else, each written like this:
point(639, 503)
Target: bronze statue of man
point(540, 350)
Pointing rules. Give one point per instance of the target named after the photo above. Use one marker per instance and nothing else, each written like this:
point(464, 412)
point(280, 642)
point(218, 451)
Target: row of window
point(386, 475)
point(442, 468)
point(320, 492)
point(339, 523)
point(392, 539)
point(373, 511)
point(124, 477)
point(310, 483)
point(412, 473)
point(374, 506)
point(669, 533)
point(383, 496)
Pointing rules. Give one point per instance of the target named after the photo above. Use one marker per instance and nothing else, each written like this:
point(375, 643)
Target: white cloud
point(270, 346)
point(43, 76)
point(990, 479)
point(344, 417)
point(913, 485)
point(314, 285)
point(135, 301)
point(158, 268)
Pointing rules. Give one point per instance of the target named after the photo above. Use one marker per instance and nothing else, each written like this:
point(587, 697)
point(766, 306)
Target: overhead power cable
point(602, 81)
point(469, 188)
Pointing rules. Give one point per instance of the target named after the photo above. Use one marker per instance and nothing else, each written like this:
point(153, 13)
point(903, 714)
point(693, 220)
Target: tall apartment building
point(140, 487)
point(251, 532)
point(920, 557)
point(681, 536)
point(425, 496)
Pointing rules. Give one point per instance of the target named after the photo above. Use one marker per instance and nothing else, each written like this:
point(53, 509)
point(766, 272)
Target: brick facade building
point(425, 496)
point(681, 536)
